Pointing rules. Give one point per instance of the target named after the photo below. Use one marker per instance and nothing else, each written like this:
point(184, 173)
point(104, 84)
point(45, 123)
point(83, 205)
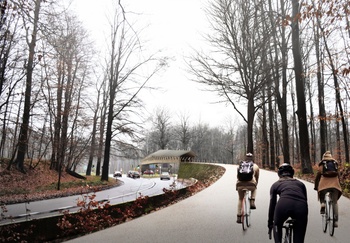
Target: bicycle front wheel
point(325, 220)
point(331, 219)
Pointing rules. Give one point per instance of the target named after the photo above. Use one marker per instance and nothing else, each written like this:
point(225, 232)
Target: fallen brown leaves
point(36, 184)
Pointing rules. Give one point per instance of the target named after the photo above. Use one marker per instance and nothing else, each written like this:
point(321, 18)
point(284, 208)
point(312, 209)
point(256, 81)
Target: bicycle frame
point(288, 231)
point(245, 210)
point(287, 228)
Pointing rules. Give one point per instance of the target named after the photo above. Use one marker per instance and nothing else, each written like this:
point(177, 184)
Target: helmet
point(249, 157)
point(285, 170)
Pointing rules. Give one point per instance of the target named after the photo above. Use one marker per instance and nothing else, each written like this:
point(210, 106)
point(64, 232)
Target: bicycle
point(328, 216)
point(245, 210)
point(288, 231)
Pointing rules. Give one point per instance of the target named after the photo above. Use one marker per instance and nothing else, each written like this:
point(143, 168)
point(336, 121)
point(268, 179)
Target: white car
point(117, 174)
point(165, 176)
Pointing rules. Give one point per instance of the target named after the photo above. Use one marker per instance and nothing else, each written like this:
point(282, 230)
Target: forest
point(285, 61)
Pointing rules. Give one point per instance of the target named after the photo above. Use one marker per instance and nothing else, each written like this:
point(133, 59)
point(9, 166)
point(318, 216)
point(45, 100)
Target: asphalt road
point(129, 191)
point(209, 216)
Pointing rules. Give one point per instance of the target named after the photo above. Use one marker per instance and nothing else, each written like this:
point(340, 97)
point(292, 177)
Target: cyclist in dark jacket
point(292, 203)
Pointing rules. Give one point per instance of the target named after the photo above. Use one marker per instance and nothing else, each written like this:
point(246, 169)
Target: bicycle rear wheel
point(243, 215)
point(285, 237)
point(247, 209)
point(290, 235)
point(331, 219)
point(245, 212)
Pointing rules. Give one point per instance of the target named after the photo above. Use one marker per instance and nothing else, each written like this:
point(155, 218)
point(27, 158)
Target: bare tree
point(264, 140)
point(102, 125)
point(94, 128)
point(200, 141)
point(300, 87)
point(334, 71)
point(272, 131)
point(320, 85)
point(7, 40)
point(124, 63)
point(161, 128)
point(229, 144)
point(279, 57)
point(31, 41)
point(237, 69)
point(182, 131)
point(330, 25)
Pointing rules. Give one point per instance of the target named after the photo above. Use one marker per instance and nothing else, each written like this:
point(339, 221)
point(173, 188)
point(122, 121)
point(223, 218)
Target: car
point(117, 173)
point(133, 174)
point(130, 172)
point(165, 176)
point(148, 172)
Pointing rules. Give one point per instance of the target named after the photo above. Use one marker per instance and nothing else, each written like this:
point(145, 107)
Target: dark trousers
point(297, 210)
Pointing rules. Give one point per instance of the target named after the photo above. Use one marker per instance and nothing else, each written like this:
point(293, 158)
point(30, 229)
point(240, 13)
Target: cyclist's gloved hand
point(270, 235)
point(269, 232)
point(270, 224)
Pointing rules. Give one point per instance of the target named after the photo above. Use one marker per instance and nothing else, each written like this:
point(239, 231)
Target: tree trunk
point(265, 140)
point(320, 87)
point(251, 113)
point(339, 103)
point(94, 129)
point(5, 49)
point(58, 117)
point(277, 139)
point(281, 99)
point(106, 156)
point(338, 143)
point(300, 87)
point(312, 125)
point(271, 132)
point(100, 143)
point(23, 135)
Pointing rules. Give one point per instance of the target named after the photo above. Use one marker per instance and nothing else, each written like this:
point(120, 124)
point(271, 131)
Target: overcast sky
point(174, 26)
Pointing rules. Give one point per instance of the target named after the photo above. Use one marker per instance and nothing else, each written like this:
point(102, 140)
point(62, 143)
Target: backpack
point(245, 171)
point(330, 168)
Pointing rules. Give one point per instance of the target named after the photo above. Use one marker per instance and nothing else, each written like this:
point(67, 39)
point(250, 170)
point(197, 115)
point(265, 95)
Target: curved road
point(129, 191)
point(210, 215)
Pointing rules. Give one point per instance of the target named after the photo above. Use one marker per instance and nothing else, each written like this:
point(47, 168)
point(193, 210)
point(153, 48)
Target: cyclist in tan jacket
point(324, 184)
point(250, 185)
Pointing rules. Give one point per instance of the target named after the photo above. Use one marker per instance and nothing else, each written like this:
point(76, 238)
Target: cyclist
point(251, 185)
point(324, 184)
point(292, 203)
